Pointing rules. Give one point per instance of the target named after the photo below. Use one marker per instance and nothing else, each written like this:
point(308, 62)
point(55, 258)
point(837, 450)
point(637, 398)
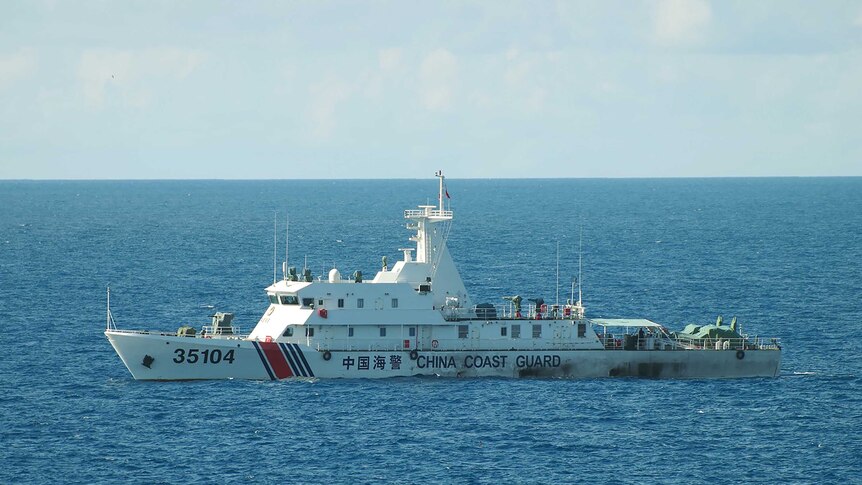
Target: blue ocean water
point(784, 255)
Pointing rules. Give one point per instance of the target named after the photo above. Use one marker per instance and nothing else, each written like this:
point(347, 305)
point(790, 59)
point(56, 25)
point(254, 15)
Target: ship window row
point(309, 302)
point(464, 330)
point(309, 331)
point(284, 299)
point(288, 332)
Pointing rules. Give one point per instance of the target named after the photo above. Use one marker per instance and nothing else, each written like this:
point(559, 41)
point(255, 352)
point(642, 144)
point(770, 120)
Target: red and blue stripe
point(282, 361)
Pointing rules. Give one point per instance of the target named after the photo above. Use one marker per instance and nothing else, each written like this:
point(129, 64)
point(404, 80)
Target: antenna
point(286, 246)
point(274, 245)
point(557, 303)
point(286, 236)
point(580, 257)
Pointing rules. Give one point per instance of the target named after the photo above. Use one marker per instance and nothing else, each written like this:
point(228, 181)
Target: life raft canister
point(740, 354)
point(414, 354)
point(327, 355)
point(323, 313)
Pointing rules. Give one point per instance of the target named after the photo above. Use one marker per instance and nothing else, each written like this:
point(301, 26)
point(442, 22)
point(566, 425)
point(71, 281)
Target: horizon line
point(675, 177)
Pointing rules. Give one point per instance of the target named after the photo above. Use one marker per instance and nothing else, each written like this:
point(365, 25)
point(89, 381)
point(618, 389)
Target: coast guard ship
point(417, 318)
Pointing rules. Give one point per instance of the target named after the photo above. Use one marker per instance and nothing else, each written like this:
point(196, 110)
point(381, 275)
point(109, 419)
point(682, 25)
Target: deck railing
point(410, 213)
point(237, 333)
point(218, 330)
point(635, 342)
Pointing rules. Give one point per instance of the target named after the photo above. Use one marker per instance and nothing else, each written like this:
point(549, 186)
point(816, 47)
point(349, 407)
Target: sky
point(491, 89)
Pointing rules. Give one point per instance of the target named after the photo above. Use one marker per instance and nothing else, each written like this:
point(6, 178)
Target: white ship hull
point(188, 358)
point(416, 318)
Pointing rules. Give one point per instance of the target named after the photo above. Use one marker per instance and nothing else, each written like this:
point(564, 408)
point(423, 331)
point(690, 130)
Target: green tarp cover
point(708, 331)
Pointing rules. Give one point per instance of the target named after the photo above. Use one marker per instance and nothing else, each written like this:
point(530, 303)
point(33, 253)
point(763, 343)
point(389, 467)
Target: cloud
point(437, 76)
point(325, 97)
point(517, 68)
point(389, 59)
point(525, 75)
point(131, 73)
point(16, 66)
point(536, 100)
point(681, 22)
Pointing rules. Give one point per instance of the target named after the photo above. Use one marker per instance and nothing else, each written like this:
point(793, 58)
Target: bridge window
point(309, 302)
point(273, 299)
point(309, 331)
point(288, 332)
point(360, 303)
point(289, 300)
point(537, 330)
point(462, 331)
point(382, 331)
point(516, 331)
point(503, 331)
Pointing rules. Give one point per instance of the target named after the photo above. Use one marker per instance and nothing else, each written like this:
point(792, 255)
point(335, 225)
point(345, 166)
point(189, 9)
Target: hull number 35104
point(206, 356)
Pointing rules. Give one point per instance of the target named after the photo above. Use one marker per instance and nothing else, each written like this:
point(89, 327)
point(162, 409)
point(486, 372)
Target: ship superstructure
point(416, 318)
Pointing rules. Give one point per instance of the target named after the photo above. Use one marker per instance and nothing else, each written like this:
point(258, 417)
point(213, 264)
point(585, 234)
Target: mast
point(439, 174)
